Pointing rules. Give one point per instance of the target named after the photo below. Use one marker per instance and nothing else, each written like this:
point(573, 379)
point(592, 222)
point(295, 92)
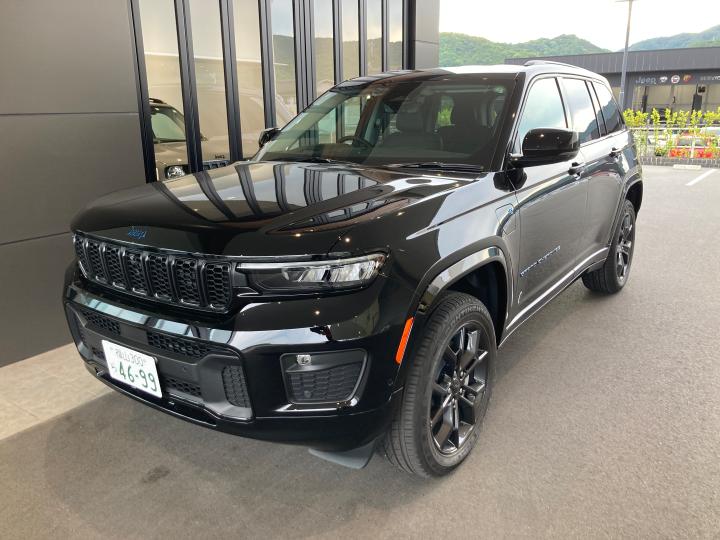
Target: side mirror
point(267, 135)
point(543, 146)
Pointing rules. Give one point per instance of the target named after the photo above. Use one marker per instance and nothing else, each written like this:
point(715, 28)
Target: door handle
point(576, 169)
point(615, 152)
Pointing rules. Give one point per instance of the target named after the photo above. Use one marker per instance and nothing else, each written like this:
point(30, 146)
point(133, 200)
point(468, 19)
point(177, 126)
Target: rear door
point(605, 190)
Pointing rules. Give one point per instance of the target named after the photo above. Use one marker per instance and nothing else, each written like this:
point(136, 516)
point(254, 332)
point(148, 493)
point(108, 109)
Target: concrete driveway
point(605, 422)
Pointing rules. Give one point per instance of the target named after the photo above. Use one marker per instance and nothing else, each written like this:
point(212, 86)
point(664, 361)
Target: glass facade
point(283, 43)
point(209, 79)
point(373, 43)
point(395, 31)
point(248, 59)
point(236, 66)
point(350, 39)
point(323, 41)
point(162, 66)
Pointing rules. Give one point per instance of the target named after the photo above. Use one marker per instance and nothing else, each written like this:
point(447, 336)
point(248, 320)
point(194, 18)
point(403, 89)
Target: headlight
point(314, 275)
point(175, 171)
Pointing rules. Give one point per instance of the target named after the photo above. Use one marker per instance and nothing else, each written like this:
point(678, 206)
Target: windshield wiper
point(463, 167)
point(310, 159)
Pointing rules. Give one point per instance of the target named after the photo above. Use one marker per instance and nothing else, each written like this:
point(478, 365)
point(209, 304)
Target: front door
point(551, 203)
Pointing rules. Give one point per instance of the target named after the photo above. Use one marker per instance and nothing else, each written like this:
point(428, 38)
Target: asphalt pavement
point(605, 422)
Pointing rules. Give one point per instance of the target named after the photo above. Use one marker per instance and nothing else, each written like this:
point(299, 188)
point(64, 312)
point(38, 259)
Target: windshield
point(449, 120)
point(168, 124)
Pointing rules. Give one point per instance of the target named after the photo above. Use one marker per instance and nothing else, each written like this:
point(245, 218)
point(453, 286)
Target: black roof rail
point(541, 62)
point(156, 100)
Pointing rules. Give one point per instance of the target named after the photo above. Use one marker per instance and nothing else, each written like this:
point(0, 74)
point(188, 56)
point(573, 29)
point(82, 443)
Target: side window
point(543, 109)
point(596, 107)
point(582, 111)
point(610, 111)
point(444, 112)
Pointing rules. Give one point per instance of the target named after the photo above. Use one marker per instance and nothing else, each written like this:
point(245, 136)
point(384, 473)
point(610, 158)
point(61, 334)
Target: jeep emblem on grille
point(137, 233)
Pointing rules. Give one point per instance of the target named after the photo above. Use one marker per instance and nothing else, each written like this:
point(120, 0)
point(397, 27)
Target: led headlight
point(314, 275)
point(175, 171)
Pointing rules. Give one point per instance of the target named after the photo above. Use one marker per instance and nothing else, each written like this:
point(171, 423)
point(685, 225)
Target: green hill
point(706, 38)
point(459, 49)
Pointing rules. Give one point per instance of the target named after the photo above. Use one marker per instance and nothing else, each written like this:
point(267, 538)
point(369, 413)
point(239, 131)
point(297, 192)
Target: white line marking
point(701, 177)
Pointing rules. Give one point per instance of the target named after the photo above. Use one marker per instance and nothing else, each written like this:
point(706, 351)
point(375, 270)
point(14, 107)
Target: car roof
point(530, 69)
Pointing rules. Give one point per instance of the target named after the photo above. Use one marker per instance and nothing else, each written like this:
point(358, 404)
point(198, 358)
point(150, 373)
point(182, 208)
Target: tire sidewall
point(611, 271)
point(438, 462)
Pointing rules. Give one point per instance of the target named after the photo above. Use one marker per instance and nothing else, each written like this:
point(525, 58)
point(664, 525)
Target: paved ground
point(605, 422)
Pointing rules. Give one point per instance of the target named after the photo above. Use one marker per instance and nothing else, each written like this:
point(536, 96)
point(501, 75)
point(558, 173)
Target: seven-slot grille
point(183, 280)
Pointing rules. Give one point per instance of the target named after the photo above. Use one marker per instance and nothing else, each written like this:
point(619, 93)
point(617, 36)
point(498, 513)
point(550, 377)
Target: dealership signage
point(676, 78)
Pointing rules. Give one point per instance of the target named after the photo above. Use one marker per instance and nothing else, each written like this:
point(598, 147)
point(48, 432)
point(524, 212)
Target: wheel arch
point(635, 194)
point(484, 274)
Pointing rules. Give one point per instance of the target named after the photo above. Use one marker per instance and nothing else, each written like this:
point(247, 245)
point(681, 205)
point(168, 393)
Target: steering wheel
point(354, 139)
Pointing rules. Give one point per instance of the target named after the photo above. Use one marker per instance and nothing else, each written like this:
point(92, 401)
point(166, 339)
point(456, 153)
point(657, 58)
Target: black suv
point(348, 288)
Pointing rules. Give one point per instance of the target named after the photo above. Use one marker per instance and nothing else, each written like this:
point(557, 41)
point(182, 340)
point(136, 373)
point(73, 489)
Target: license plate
point(132, 367)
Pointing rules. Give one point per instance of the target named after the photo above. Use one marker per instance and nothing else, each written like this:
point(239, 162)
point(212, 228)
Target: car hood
point(259, 209)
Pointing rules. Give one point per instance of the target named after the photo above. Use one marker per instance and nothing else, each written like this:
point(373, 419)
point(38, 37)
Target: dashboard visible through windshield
point(443, 120)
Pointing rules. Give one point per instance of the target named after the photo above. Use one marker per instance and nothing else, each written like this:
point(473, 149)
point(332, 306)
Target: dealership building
point(678, 79)
point(98, 96)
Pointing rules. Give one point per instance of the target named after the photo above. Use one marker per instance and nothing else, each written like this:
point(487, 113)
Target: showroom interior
point(86, 81)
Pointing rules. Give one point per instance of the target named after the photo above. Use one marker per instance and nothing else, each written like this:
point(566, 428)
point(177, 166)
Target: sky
point(602, 22)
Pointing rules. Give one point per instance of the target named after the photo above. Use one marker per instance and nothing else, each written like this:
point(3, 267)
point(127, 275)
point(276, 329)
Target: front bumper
point(235, 375)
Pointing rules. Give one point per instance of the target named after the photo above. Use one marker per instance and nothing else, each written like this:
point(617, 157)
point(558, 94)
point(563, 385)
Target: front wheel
point(447, 389)
point(615, 272)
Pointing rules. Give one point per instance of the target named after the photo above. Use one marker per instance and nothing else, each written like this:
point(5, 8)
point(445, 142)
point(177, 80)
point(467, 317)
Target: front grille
point(215, 164)
point(186, 281)
point(235, 387)
point(332, 384)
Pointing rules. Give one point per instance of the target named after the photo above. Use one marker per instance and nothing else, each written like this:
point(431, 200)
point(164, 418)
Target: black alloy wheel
point(458, 389)
point(450, 365)
point(625, 241)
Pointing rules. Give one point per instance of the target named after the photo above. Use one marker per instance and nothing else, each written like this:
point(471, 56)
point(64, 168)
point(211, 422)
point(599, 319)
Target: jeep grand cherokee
point(348, 288)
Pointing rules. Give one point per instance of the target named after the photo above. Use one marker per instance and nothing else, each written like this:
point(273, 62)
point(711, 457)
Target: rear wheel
point(447, 389)
point(615, 272)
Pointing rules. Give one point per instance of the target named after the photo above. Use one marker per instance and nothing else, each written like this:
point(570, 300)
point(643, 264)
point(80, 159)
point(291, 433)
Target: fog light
point(304, 359)
point(175, 171)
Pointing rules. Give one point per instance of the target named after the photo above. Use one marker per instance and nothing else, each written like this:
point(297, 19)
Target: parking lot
point(605, 422)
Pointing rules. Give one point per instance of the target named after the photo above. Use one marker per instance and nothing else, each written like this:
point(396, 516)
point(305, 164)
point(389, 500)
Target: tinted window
point(582, 111)
point(543, 108)
point(610, 112)
point(450, 120)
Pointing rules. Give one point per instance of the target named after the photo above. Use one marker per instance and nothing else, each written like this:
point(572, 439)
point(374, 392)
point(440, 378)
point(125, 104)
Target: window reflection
point(210, 79)
point(374, 36)
point(395, 39)
point(323, 41)
point(162, 65)
point(283, 39)
point(249, 73)
point(350, 39)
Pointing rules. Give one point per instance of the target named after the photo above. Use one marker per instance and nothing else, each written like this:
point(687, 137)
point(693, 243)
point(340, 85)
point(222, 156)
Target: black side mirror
point(267, 135)
point(542, 146)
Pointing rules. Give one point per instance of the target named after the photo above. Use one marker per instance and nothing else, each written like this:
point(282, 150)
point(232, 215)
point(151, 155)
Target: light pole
point(623, 73)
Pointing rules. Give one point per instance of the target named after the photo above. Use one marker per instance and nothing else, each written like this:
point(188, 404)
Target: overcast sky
point(600, 21)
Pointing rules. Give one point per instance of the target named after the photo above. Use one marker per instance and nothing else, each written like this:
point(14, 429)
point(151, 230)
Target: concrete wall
point(69, 131)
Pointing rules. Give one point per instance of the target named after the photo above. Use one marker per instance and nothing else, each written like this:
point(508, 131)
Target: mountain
point(707, 38)
point(459, 49)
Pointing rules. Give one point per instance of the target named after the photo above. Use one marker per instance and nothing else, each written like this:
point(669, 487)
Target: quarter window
point(581, 110)
point(610, 111)
point(543, 109)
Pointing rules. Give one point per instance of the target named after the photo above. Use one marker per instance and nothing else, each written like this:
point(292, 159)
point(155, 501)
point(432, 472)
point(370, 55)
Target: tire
point(454, 360)
point(614, 274)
